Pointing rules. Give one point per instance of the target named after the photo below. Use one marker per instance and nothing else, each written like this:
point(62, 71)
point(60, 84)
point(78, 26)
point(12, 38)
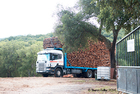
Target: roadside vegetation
point(18, 55)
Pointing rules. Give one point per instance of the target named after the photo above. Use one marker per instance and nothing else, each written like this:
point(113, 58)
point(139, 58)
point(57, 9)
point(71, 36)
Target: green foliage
point(18, 59)
point(114, 14)
point(29, 37)
point(109, 35)
point(18, 56)
point(74, 32)
point(127, 11)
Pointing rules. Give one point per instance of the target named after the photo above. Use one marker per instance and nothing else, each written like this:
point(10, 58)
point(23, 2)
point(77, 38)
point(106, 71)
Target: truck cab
point(48, 60)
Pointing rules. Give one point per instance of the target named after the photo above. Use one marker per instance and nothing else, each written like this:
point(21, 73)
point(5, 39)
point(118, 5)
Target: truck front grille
point(41, 67)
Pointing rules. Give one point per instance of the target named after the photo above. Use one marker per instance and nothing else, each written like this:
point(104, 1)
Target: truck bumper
point(48, 71)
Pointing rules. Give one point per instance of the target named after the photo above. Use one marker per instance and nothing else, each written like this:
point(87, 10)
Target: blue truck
point(52, 61)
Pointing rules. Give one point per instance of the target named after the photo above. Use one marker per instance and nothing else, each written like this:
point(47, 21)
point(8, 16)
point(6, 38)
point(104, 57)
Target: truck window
point(55, 56)
point(43, 57)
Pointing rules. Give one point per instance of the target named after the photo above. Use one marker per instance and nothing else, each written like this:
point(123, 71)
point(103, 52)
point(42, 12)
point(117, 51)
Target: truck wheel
point(88, 74)
point(94, 73)
point(58, 73)
point(45, 75)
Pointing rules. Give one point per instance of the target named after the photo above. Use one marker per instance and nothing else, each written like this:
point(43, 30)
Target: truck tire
point(45, 75)
point(94, 73)
point(89, 74)
point(58, 73)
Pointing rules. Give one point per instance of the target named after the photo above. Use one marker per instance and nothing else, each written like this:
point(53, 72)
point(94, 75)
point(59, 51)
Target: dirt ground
point(52, 85)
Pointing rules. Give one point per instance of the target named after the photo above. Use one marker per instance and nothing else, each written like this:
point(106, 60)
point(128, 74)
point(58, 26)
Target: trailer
point(128, 62)
point(52, 61)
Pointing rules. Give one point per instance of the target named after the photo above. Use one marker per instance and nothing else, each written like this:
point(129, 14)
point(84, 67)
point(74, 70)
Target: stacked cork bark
point(96, 55)
point(52, 42)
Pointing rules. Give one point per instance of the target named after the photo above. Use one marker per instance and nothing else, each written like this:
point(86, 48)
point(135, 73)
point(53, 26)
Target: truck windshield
point(43, 57)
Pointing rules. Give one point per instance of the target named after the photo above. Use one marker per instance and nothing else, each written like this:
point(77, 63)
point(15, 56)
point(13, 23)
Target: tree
point(28, 56)
point(113, 15)
point(28, 37)
point(9, 58)
point(75, 30)
point(18, 58)
point(18, 55)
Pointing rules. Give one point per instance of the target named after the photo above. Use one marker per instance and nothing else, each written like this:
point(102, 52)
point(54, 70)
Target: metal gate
point(128, 62)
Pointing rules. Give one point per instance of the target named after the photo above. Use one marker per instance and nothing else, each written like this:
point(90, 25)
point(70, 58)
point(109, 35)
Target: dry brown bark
point(96, 55)
point(52, 42)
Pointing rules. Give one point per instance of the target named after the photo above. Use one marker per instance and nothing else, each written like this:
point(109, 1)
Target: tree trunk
point(112, 58)
point(112, 61)
point(112, 53)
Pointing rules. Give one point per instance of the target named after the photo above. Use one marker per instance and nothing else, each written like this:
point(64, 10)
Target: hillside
point(1, 39)
point(18, 55)
point(28, 37)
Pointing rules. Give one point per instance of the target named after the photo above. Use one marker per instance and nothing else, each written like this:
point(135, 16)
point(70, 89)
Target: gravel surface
point(52, 85)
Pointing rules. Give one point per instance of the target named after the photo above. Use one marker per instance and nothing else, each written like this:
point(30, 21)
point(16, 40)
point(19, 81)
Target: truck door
point(56, 59)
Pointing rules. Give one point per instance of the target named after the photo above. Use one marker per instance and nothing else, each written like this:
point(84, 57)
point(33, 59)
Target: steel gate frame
point(128, 63)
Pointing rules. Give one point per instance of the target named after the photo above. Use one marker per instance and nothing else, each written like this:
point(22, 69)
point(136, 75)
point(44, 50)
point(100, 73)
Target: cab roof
point(50, 51)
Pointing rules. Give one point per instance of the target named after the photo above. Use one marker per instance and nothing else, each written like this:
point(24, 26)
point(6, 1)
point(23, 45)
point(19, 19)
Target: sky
point(23, 17)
